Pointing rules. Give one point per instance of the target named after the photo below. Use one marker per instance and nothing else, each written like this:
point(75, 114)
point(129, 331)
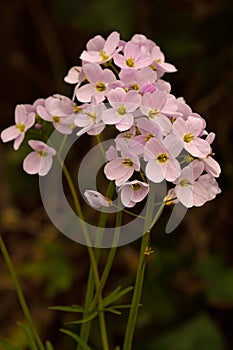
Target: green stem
point(90, 252)
point(21, 298)
point(140, 275)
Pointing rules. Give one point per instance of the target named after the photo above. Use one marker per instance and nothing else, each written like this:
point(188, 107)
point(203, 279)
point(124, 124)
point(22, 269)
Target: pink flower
point(122, 168)
point(123, 103)
point(90, 119)
point(210, 184)
point(74, 75)
point(211, 166)
point(147, 130)
point(58, 110)
point(23, 122)
point(138, 79)
point(159, 62)
point(98, 83)
point(134, 57)
point(189, 190)
point(161, 163)
point(39, 161)
point(99, 50)
point(96, 199)
point(133, 192)
point(188, 132)
point(154, 107)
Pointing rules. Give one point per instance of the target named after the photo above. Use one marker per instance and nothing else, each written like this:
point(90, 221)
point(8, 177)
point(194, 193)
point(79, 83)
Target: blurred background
point(188, 292)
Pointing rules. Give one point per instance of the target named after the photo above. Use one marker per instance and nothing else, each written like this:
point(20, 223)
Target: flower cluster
point(159, 137)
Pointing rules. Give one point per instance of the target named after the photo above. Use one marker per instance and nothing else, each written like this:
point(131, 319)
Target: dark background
point(188, 292)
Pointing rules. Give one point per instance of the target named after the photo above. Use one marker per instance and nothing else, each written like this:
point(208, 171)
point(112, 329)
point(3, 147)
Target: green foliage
point(7, 346)
point(219, 280)
point(76, 338)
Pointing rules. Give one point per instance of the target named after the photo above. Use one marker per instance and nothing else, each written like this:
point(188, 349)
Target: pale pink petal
point(85, 92)
point(45, 165)
point(200, 195)
point(31, 163)
point(126, 193)
point(171, 170)
point(198, 148)
point(185, 195)
point(119, 60)
point(42, 112)
point(173, 144)
point(18, 140)
point(108, 76)
point(154, 171)
point(111, 43)
point(72, 76)
point(110, 116)
point(212, 167)
point(194, 125)
point(96, 43)
point(20, 114)
point(93, 73)
point(90, 56)
point(10, 133)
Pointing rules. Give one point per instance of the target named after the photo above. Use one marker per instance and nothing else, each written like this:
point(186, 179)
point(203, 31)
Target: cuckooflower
point(188, 132)
point(98, 79)
point(123, 103)
point(96, 199)
point(39, 161)
point(134, 57)
point(100, 50)
point(161, 163)
point(59, 110)
point(90, 119)
point(23, 122)
point(133, 192)
point(189, 190)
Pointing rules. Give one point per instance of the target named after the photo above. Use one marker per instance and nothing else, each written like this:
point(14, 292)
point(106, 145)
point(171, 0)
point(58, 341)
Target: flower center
point(162, 158)
point(135, 87)
point(103, 55)
point(148, 137)
point(185, 182)
point(42, 153)
point(153, 113)
point(20, 127)
point(128, 162)
point(56, 119)
point(130, 62)
point(136, 186)
point(77, 109)
point(121, 110)
point(188, 138)
point(92, 116)
point(100, 87)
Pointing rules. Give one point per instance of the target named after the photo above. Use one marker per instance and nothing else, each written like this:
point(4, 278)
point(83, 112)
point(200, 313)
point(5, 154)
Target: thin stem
point(37, 341)
point(90, 252)
point(140, 275)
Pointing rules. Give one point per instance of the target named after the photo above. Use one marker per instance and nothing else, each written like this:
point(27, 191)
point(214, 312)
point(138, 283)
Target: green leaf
point(115, 295)
point(28, 336)
point(72, 308)
point(85, 320)
point(200, 333)
point(7, 346)
point(49, 345)
point(76, 338)
point(219, 278)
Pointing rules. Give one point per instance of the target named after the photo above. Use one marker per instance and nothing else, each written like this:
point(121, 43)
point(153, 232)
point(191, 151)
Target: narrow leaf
point(28, 336)
point(77, 338)
point(49, 345)
point(72, 308)
point(115, 295)
point(85, 320)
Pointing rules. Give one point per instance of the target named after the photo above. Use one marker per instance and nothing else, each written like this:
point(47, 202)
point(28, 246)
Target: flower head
point(133, 192)
point(23, 122)
point(40, 160)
